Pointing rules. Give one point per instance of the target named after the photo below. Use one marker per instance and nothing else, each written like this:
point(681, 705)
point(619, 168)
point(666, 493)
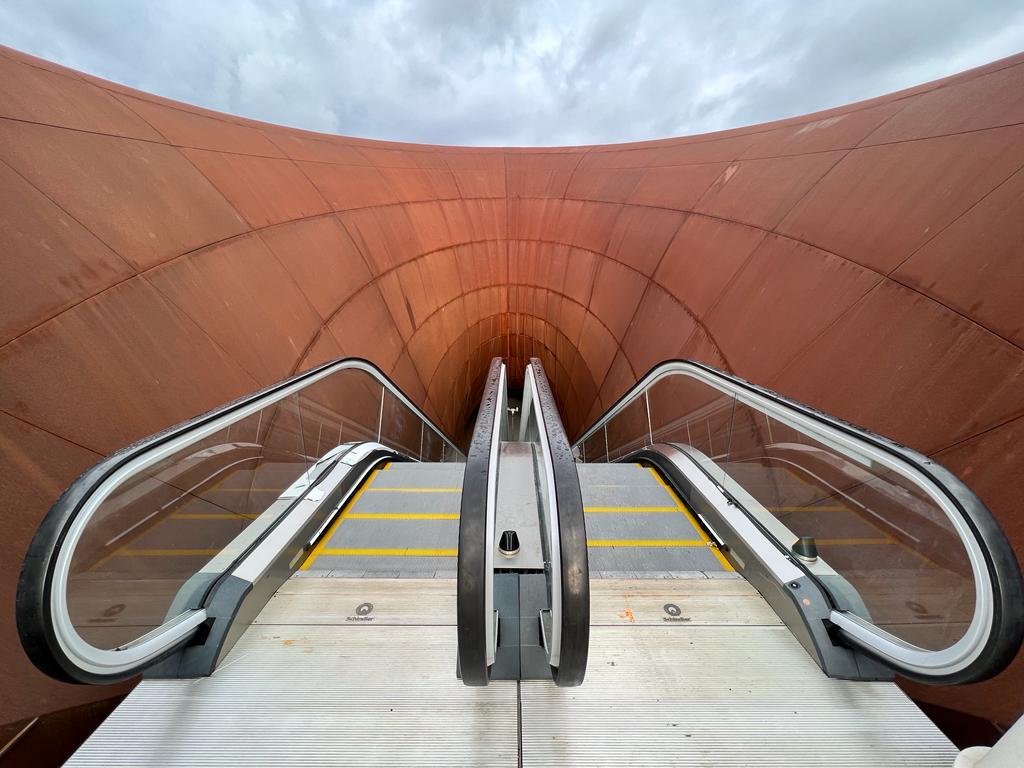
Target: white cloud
point(524, 72)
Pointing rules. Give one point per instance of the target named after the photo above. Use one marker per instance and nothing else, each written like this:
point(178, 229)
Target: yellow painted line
point(415, 490)
point(403, 516)
point(394, 552)
point(167, 552)
point(386, 467)
point(693, 521)
point(214, 516)
point(855, 542)
point(334, 526)
point(631, 509)
point(648, 543)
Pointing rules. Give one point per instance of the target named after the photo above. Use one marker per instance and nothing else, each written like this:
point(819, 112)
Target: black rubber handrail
point(572, 535)
point(475, 578)
point(36, 626)
point(1003, 570)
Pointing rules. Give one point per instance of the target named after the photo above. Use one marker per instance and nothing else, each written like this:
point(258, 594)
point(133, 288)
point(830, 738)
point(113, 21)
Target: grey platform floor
point(403, 523)
point(316, 682)
point(636, 525)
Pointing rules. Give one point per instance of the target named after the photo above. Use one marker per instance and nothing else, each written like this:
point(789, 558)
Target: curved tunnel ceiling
point(160, 259)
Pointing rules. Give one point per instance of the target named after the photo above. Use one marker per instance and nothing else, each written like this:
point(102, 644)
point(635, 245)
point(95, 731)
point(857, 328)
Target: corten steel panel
point(143, 199)
point(811, 289)
point(364, 328)
point(700, 346)
point(51, 262)
point(315, 148)
point(38, 96)
point(703, 258)
point(323, 349)
point(597, 347)
point(641, 237)
point(385, 234)
point(678, 187)
point(761, 192)
point(935, 378)
point(880, 204)
point(428, 221)
point(115, 368)
point(357, 187)
point(410, 184)
point(844, 130)
point(975, 266)
point(321, 257)
point(159, 259)
point(660, 327)
point(264, 190)
point(263, 322)
point(977, 103)
point(613, 185)
point(539, 175)
point(619, 378)
point(191, 128)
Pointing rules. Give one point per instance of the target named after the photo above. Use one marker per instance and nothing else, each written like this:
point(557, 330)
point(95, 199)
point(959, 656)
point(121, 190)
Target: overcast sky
point(516, 72)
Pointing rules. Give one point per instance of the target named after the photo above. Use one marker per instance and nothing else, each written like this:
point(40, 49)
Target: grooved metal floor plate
point(683, 672)
point(717, 683)
point(360, 688)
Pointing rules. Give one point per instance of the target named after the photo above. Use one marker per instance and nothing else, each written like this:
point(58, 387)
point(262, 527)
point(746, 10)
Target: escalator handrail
point(570, 572)
point(475, 566)
point(43, 617)
point(997, 627)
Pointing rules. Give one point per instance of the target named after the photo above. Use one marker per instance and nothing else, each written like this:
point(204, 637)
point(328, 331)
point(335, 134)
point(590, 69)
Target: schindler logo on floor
point(363, 611)
point(674, 613)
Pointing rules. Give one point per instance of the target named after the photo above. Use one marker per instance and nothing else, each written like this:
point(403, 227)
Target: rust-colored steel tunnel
point(159, 259)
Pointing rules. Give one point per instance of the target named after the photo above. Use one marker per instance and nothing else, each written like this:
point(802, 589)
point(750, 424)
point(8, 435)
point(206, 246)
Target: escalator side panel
point(238, 597)
point(796, 597)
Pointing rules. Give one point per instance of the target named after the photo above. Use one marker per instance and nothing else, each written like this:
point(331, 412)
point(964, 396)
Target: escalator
point(878, 559)
point(712, 574)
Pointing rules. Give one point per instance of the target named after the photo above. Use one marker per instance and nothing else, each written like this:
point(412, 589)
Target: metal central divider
point(523, 577)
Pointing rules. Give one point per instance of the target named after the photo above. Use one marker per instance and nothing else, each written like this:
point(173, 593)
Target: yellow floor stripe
point(167, 552)
point(631, 509)
point(334, 526)
point(394, 552)
point(415, 490)
point(403, 516)
point(648, 543)
point(693, 521)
